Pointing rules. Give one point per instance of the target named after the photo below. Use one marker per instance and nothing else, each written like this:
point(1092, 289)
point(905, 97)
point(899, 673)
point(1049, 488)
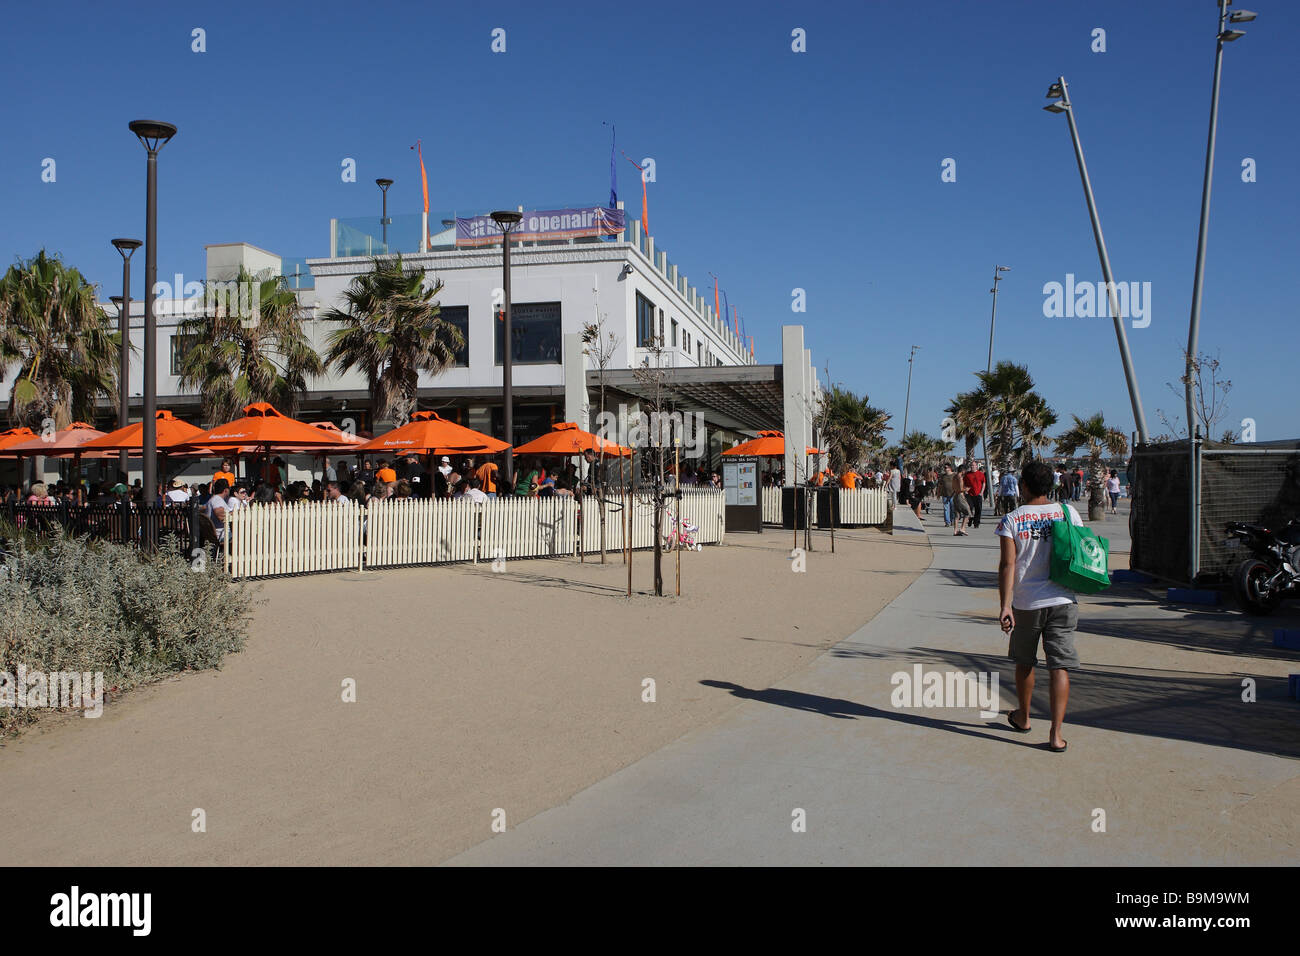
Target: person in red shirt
point(973, 483)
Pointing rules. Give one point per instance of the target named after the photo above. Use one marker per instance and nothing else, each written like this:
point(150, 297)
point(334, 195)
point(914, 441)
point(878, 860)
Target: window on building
point(181, 346)
point(535, 327)
point(458, 316)
point(699, 353)
point(645, 321)
point(661, 327)
point(674, 333)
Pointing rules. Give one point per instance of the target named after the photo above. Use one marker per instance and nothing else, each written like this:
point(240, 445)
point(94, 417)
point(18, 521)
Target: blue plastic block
point(1288, 639)
point(1191, 596)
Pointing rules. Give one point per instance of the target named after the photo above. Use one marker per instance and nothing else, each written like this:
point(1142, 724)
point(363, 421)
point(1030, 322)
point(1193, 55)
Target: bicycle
point(679, 533)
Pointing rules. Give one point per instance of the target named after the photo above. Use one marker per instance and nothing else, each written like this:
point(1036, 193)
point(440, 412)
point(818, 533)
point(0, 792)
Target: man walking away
point(1033, 607)
point(895, 483)
point(1008, 492)
point(973, 484)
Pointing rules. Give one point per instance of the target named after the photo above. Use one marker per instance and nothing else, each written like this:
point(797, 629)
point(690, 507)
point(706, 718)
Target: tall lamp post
point(153, 136)
point(507, 220)
point(383, 185)
point(984, 427)
point(908, 404)
point(1060, 92)
point(126, 247)
point(1225, 35)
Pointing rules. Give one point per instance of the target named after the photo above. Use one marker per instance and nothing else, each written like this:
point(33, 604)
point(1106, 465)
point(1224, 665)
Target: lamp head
point(127, 246)
point(153, 135)
point(383, 183)
point(1054, 91)
point(1057, 107)
point(507, 218)
point(1227, 36)
point(1241, 16)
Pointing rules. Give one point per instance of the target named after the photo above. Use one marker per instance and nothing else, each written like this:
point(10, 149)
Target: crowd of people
point(406, 476)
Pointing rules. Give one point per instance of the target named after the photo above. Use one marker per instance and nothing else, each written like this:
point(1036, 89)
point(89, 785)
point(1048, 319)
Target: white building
point(558, 286)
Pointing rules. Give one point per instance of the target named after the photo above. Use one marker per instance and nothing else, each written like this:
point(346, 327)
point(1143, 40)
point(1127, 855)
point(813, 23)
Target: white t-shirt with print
point(1030, 527)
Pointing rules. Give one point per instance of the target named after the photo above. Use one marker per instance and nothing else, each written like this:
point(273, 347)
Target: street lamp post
point(383, 185)
point(507, 220)
point(1062, 105)
point(126, 247)
point(153, 136)
point(908, 404)
point(1225, 35)
point(984, 427)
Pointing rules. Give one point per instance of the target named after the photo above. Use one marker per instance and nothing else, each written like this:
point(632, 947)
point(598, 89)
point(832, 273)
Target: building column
point(577, 405)
point(798, 416)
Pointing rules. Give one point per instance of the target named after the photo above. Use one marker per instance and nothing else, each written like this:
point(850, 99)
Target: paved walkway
point(1161, 743)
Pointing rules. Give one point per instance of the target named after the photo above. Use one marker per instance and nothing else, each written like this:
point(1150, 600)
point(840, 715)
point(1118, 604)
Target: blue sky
point(776, 170)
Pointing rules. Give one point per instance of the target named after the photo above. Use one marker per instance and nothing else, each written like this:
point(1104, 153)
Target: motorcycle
point(1272, 572)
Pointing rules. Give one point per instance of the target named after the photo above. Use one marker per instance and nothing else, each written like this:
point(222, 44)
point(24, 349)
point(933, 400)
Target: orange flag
point(424, 179)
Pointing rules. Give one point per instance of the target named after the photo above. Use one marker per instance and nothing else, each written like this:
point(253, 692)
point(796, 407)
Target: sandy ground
point(475, 692)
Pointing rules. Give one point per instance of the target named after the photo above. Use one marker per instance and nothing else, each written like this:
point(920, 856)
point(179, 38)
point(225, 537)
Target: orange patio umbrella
point(64, 442)
point(429, 433)
point(347, 438)
point(169, 431)
point(768, 444)
point(14, 436)
point(566, 438)
point(266, 428)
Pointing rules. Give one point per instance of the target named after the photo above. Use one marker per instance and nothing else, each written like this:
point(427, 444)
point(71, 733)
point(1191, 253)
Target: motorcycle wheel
point(1245, 584)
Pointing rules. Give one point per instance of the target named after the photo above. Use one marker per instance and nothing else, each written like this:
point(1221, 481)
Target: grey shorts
point(1055, 625)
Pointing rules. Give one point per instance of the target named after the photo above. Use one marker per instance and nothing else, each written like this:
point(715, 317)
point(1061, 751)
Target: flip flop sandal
point(1014, 726)
point(1059, 750)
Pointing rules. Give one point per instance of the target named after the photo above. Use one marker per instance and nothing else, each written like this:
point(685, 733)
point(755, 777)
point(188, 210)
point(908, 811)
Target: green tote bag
point(1080, 557)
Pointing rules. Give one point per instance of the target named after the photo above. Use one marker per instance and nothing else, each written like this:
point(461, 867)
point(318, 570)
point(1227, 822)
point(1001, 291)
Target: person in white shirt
point(445, 467)
point(475, 492)
point(1033, 606)
point(178, 493)
point(895, 484)
point(217, 507)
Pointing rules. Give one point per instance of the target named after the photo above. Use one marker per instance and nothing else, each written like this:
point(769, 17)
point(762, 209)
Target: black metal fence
point(1255, 482)
point(119, 522)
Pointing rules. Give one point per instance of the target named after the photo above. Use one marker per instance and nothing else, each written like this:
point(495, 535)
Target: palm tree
point(392, 331)
point(1010, 406)
point(232, 359)
point(923, 451)
point(1097, 437)
point(1039, 417)
point(850, 425)
point(67, 355)
point(966, 412)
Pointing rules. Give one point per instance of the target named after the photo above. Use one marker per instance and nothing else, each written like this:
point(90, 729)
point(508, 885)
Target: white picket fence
point(863, 506)
point(858, 506)
point(772, 505)
point(305, 537)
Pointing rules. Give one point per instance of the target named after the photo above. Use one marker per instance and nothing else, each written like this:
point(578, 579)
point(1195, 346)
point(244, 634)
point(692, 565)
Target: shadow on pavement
point(852, 710)
point(1203, 708)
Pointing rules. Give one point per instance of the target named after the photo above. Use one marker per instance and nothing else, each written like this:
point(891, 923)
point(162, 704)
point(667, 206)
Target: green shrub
point(72, 604)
